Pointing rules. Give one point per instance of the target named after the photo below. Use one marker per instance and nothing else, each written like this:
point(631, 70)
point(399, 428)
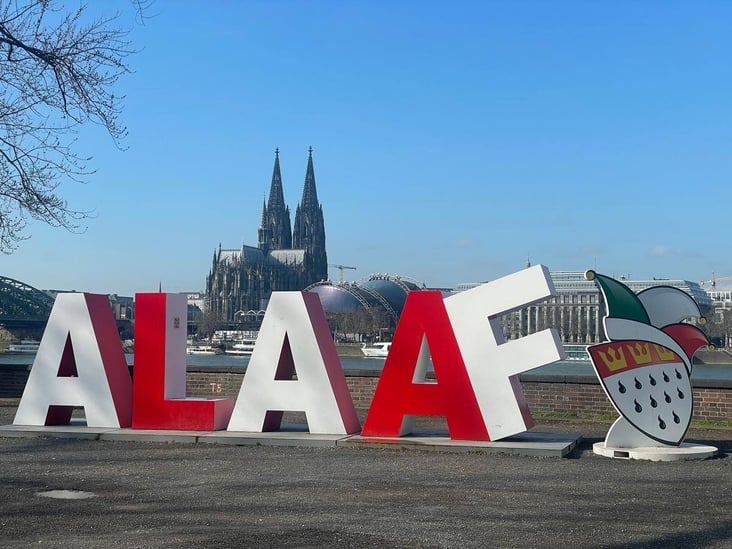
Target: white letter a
point(79, 363)
point(294, 338)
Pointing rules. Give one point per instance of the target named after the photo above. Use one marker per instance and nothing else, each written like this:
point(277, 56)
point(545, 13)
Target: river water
point(229, 361)
point(565, 368)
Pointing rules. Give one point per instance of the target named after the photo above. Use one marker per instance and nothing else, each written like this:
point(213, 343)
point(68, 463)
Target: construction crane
point(341, 268)
point(714, 280)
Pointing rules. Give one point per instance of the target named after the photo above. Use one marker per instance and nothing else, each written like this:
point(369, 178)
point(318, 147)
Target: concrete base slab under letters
point(526, 444)
point(150, 435)
point(289, 435)
point(76, 429)
point(687, 450)
point(271, 438)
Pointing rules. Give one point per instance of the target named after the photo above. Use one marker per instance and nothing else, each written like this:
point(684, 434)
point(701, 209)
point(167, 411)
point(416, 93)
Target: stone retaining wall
point(12, 380)
point(578, 396)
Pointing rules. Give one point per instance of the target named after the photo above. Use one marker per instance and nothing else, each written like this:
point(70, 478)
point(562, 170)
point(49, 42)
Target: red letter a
point(402, 392)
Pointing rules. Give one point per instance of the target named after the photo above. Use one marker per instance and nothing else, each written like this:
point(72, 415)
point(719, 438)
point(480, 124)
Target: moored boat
point(200, 350)
point(376, 350)
point(244, 347)
point(26, 346)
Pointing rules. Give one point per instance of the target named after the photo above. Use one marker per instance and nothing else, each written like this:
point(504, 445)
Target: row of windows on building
point(577, 310)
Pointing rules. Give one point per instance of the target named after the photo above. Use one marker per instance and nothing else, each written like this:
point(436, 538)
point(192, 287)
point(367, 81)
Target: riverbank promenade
point(151, 494)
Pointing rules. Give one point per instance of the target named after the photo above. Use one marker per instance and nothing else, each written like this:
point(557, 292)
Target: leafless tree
point(719, 327)
point(209, 322)
point(58, 69)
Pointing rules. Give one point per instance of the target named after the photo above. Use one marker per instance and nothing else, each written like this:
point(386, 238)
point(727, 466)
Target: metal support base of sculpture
point(624, 441)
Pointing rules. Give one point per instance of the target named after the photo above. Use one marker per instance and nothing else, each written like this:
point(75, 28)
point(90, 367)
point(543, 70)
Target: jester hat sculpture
point(645, 367)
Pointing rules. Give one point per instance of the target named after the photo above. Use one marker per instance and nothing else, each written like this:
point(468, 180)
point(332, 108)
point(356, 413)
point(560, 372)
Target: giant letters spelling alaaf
point(476, 386)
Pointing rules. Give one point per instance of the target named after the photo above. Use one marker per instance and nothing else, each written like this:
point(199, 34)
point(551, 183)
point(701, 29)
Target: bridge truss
point(20, 302)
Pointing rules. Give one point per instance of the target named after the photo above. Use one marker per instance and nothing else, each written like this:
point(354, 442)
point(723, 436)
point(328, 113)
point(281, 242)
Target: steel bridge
point(23, 306)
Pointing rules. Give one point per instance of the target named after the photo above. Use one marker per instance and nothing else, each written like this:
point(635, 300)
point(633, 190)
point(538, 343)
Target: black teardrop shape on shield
point(654, 404)
point(677, 419)
point(665, 377)
point(621, 388)
point(666, 397)
point(661, 423)
point(638, 407)
point(681, 395)
point(638, 384)
point(678, 374)
point(651, 379)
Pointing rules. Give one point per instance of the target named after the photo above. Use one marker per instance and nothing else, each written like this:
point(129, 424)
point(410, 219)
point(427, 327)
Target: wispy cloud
point(661, 250)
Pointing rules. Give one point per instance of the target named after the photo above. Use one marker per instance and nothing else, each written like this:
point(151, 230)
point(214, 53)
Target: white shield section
point(493, 364)
point(297, 320)
point(69, 317)
point(655, 399)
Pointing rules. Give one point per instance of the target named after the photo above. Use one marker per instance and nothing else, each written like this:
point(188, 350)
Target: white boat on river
point(244, 347)
point(26, 346)
point(376, 350)
point(200, 350)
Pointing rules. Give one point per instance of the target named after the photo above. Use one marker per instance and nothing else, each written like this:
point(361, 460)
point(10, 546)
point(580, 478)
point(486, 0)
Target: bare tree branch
point(58, 69)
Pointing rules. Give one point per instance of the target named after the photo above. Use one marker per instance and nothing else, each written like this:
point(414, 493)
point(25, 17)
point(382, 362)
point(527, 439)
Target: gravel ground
point(185, 495)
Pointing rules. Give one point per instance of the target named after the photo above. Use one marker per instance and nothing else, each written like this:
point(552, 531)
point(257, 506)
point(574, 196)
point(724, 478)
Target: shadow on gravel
point(711, 537)
point(584, 446)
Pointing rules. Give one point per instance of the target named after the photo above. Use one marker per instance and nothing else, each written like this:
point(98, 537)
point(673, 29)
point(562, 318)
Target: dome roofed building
point(368, 306)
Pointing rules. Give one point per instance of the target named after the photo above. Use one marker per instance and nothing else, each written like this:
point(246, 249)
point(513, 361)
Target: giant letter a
point(424, 327)
point(294, 339)
point(79, 363)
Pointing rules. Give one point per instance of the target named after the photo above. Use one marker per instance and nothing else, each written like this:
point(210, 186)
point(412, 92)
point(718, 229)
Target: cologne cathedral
point(242, 280)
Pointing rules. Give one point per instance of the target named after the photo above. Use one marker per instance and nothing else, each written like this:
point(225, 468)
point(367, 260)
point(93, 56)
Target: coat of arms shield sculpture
point(645, 369)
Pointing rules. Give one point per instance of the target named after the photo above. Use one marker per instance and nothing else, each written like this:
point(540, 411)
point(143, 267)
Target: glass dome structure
point(378, 293)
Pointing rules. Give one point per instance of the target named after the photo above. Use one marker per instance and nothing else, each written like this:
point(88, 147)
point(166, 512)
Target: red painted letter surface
point(159, 371)
point(424, 329)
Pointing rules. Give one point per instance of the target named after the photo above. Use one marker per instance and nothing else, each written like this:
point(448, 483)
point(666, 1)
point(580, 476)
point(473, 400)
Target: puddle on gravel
point(65, 494)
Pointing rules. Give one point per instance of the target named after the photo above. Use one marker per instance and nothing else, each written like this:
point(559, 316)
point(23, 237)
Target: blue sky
point(452, 140)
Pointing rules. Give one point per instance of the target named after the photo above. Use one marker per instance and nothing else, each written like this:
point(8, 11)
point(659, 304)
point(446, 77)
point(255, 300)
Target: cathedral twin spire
point(309, 230)
point(287, 260)
point(274, 232)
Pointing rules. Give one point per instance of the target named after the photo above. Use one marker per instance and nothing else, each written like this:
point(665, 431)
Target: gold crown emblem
point(641, 353)
point(664, 354)
point(614, 359)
